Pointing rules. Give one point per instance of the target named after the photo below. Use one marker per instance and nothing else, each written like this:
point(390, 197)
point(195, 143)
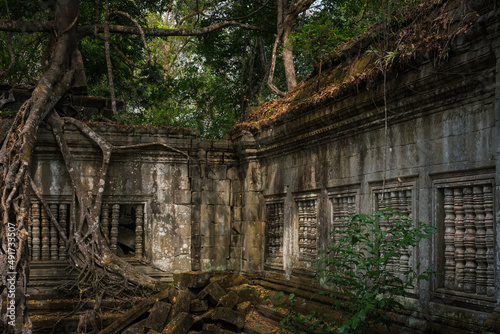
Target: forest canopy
point(208, 81)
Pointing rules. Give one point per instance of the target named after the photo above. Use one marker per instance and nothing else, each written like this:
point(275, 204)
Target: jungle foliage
point(207, 82)
point(362, 268)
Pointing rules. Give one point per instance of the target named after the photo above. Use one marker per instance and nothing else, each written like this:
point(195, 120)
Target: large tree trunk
point(15, 158)
point(64, 70)
point(287, 17)
point(291, 80)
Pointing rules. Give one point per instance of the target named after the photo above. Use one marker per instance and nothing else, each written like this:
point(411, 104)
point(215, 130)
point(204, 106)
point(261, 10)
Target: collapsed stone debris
point(197, 303)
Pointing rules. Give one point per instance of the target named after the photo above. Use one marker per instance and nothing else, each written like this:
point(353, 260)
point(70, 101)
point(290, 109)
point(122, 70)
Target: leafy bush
point(358, 265)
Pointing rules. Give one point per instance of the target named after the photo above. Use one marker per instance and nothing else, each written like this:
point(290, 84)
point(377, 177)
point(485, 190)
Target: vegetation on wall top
point(426, 33)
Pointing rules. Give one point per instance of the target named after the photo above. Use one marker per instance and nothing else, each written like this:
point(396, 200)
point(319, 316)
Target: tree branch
point(140, 30)
point(26, 26)
point(12, 62)
point(48, 210)
point(108, 59)
point(160, 32)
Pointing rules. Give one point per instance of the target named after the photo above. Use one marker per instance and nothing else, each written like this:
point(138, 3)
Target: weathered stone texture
point(265, 201)
point(191, 279)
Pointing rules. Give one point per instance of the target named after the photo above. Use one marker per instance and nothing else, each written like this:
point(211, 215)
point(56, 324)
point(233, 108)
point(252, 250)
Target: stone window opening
point(399, 197)
point(343, 206)
point(126, 230)
point(123, 225)
point(307, 225)
point(274, 234)
point(465, 240)
point(44, 241)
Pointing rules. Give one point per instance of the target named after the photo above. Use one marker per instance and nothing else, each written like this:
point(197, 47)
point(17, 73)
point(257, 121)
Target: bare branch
point(286, 22)
point(126, 147)
point(70, 26)
point(7, 9)
point(122, 55)
point(107, 146)
point(140, 30)
point(273, 67)
point(108, 59)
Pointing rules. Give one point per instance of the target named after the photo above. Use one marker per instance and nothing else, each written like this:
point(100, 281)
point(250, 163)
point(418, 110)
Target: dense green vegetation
point(207, 82)
point(358, 266)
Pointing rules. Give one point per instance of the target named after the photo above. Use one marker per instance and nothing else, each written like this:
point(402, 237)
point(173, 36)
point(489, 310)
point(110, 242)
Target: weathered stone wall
point(216, 214)
point(184, 188)
point(265, 201)
point(434, 155)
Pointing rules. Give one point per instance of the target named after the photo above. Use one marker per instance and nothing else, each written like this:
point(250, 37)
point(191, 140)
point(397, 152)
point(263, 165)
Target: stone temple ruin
point(262, 202)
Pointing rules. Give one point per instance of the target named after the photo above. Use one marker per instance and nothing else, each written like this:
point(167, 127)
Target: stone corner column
point(253, 204)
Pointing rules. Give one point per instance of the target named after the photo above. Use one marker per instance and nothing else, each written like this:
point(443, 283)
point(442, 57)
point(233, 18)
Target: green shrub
point(358, 266)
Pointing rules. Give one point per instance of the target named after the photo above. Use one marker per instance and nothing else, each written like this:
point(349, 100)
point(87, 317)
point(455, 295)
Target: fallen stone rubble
point(198, 303)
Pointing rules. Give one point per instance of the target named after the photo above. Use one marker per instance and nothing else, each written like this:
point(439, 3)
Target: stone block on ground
point(180, 324)
point(158, 316)
point(157, 319)
point(136, 312)
point(244, 306)
point(213, 293)
point(191, 279)
point(136, 328)
point(199, 305)
point(225, 315)
point(256, 324)
point(230, 300)
point(270, 313)
point(246, 293)
point(213, 329)
point(182, 302)
point(232, 280)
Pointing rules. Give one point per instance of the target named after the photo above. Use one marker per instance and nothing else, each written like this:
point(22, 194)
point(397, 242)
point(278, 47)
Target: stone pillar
point(489, 240)
point(105, 219)
point(236, 243)
point(480, 242)
point(35, 217)
point(45, 236)
point(252, 205)
point(449, 239)
point(54, 235)
point(139, 231)
point(469, 242)
point(115, 215)
point(495, 290)
point(63, 212)
point(459, 238)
